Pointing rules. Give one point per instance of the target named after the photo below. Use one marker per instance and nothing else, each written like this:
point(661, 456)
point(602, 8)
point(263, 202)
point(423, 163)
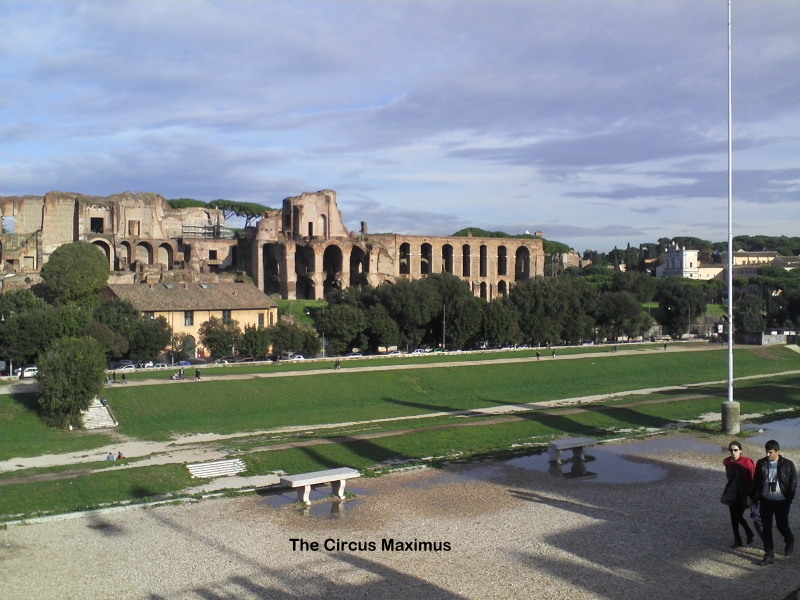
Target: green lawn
point(158, 412)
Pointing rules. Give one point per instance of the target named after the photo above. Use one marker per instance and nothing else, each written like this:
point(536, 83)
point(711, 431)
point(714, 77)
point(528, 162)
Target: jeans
point(780, 509)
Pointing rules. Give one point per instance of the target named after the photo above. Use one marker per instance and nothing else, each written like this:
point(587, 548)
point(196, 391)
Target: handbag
point(729, 494)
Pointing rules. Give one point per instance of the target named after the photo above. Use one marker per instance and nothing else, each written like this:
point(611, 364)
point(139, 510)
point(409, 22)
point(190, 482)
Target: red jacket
point(744, 470)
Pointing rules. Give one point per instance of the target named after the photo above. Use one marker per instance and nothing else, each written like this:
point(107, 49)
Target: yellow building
point(186, 306)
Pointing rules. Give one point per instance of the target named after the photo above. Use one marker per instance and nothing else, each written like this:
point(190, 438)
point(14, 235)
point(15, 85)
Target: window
point(212, 255)
point(260, 319)
point(226, 317)
point(188, 318)
point(148, 314)
point(134, 228)
point(96, 224)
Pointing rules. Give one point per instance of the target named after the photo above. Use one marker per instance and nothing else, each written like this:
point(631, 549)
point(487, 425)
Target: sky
point(600, 124)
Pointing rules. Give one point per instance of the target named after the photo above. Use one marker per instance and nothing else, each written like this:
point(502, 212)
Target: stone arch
point(359, 266)
point(405, 259)
point(166, 255)
point(502, 261)
point(502, 288)
point(144, 253)
point(484, 291)
point(447, 258)
point(332, 261)
point(124, 255)
point(426, 259)
point(466, 255)
point(107, 251)
point(483, 263)
point(522, 264)
point(304, 261)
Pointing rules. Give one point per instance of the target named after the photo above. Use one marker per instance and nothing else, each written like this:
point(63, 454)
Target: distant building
point(681, 262)
point(187, 306)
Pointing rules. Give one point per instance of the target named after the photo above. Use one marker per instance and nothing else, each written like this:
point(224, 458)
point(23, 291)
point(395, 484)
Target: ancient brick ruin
point(301, 250)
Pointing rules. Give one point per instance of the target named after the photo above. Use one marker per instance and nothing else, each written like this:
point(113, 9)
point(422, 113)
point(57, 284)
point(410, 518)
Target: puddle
point(321, 502)
point(787, 432)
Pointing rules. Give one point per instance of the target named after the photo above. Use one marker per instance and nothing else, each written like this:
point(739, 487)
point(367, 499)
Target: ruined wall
point(293, 257)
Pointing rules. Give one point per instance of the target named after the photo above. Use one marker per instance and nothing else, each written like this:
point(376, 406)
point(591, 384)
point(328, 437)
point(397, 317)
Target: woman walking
point(740, 470)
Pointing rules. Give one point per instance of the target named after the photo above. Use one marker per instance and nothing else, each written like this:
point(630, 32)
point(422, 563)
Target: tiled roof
point(193, 296)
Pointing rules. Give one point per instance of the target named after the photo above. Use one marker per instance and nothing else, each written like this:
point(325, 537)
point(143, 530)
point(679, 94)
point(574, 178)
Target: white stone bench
point(336, 477)
point(217, 468)
point(578, 446)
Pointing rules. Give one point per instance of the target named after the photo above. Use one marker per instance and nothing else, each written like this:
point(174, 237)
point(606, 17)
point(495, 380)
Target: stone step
point(217, 468)
point(98, 416)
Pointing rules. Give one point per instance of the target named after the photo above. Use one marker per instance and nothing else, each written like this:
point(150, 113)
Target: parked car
point(298, 357)
point(146, 364)
point(29, 371)
point(126, 368)
point(419, 351)
point(394, 353)
point(353, 355)
point(183, 363)
point(160, 366)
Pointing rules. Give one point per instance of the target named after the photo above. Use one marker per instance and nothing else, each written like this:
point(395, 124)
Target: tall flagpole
point(730, 408)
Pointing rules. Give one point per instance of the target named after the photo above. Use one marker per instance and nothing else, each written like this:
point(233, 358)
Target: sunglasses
point(734, 450)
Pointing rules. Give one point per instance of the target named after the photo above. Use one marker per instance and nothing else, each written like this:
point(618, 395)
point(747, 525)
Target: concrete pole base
point(730, 418)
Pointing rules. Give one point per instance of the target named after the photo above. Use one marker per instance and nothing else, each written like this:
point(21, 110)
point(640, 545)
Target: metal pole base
point(730, 418)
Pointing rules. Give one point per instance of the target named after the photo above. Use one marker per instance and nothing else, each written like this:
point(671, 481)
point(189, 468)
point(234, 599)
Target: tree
point(500, 323)
point(71, 373)
point(75, 272)
point(297, 339)
point(382, 330)
point(619, 313)
point(248, 210)
point(681, 302)
point(149, 338)
point(343, 326)
point(749, 314)
point(220, 338)
point(255, 341)
point(114, 344)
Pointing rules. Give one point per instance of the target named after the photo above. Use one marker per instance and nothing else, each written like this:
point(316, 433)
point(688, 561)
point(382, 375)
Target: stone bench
point(578, 446)
point(217, 468)
point(336, 477)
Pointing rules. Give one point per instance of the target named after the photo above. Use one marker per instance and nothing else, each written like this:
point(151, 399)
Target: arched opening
point(359, 266)
point(447, 258)
point(103, 246)
point(323, 226)
point(484, 261)
point(165, 256)
point(124, 256)
point(405, 258)
point(465, 260)
point(484, 292)
point(332, 265)
point(426, 259)
point(502, 288)
point(304, 261)
point(522, 264)
point(272, 254)
point(502, 261)
point(144, 253)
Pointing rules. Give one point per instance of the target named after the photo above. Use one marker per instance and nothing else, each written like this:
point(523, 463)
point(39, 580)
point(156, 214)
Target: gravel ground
point(648, 526)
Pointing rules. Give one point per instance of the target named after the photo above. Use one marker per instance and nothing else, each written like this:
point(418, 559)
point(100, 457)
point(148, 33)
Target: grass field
point(160, 412)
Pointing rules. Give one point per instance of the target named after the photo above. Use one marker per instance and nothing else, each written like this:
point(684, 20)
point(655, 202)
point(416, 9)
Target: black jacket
point(787, 477)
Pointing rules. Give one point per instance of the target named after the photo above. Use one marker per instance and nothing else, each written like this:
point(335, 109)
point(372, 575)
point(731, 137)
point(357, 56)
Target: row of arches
point(310, 271)
point(143, 252)
point(488, 265)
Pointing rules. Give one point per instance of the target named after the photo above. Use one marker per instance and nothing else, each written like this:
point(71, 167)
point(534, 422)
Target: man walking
point(774, 487)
